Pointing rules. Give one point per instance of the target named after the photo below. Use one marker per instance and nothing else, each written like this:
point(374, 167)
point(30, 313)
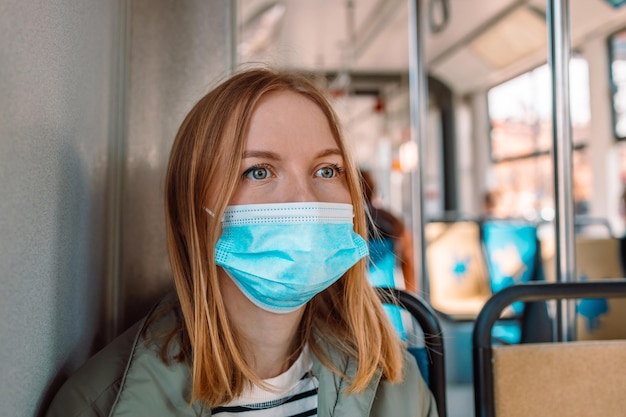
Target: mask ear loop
point(209, 211)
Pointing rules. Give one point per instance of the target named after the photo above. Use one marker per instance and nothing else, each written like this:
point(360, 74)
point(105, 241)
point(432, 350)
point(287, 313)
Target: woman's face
point(290, 155)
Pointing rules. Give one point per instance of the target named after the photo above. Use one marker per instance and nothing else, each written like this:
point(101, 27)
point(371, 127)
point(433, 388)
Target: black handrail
point(428, 321)
point(540, 291)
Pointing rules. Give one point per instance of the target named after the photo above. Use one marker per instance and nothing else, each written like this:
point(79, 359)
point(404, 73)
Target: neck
point(270, 340)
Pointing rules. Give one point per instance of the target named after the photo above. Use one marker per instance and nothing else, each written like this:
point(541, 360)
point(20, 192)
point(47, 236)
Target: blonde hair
point(205, 159)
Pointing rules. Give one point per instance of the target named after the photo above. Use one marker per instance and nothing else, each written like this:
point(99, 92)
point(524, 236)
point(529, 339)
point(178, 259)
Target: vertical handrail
point(418, 97)
point(559, 58)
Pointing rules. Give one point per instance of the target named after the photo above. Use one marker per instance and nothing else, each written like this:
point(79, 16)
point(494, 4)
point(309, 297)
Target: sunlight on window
point(520, 113)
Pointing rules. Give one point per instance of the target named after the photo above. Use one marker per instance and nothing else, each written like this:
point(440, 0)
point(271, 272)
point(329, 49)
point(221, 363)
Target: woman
point(273, 314)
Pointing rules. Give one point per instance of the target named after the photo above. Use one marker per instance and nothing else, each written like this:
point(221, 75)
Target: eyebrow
point(329, 152)
point(261, 154)
point(274, 156)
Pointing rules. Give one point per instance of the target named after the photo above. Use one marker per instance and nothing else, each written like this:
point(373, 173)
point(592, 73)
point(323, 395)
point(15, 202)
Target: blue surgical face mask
point(282, 255)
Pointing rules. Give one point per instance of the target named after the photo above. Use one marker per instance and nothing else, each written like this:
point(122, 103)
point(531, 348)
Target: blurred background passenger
point(391, 245)
point(492, 204)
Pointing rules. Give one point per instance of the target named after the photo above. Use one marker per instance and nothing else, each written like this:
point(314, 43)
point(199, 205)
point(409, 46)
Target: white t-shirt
point(294, 394)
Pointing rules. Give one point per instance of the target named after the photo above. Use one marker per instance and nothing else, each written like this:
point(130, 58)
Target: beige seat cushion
point(580, 379)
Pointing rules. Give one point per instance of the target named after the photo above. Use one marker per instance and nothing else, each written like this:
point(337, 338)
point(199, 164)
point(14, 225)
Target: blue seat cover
point(381, 267)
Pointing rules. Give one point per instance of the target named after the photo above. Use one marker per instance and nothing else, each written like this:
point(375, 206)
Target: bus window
point(521, 140)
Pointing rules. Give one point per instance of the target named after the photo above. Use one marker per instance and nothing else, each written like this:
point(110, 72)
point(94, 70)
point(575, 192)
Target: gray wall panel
point(178, 51)
point(55, 84)
point(66, 120)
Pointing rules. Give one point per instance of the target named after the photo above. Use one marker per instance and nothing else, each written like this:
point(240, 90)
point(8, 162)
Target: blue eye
point(330, 171)
point(256, 173)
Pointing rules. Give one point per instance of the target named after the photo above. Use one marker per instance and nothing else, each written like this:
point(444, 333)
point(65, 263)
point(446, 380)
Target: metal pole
point(559, 58)
point(418, 93)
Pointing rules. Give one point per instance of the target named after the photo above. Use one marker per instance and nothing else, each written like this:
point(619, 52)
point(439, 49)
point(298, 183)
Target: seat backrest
point(546, 379)
point(381, 272)
point(597, 258)
point(560, 379)
point(511, 252)
point(430, 356)
point(458, 277)
point(592, 226)
point(599, 318)
point(382, 262)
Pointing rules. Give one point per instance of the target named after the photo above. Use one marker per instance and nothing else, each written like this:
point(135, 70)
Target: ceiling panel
point(373, 36)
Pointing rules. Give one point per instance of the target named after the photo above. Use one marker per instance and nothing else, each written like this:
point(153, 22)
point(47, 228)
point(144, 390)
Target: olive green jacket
point(128, 379)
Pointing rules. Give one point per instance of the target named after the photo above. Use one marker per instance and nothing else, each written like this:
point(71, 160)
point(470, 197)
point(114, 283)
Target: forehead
point(284, 118)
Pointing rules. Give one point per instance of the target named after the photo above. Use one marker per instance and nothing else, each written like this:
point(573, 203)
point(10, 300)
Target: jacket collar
point(332, 399)
point(168, 387)
point(151, 387)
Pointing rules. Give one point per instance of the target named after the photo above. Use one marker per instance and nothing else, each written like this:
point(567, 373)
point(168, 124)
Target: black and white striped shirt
point(294, 394)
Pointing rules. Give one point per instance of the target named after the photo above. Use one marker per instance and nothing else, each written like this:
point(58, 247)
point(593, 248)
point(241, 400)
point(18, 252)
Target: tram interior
point(95, 92)
point(488, 174)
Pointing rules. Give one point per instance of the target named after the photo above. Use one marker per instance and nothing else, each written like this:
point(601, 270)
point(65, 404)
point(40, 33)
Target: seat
point(597, 258)
point(511, 250)
point(579, 378)
point(599, 319)
point(592, 226)
point(460, 282)
point(457, 274)
point(381, 273)
point(430, 355)
point(587, 250)
point(512, 257)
